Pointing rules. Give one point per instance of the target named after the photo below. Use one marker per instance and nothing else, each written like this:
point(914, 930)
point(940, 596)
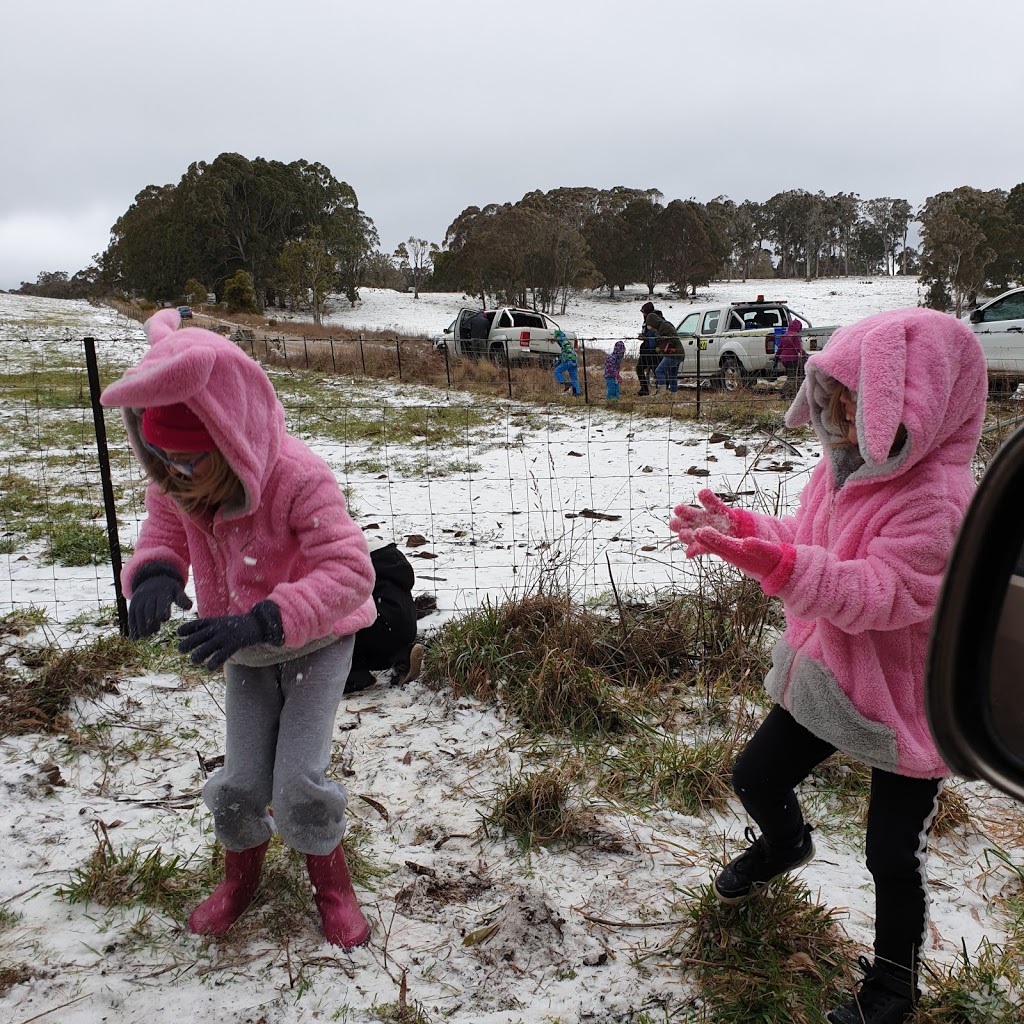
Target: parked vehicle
point(514, 334)
point(185, 312)
point(999, 326)
point(737, 339)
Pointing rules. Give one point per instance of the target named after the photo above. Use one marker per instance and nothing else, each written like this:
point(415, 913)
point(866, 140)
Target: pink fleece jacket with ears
point(874, 531)
point(291, 539)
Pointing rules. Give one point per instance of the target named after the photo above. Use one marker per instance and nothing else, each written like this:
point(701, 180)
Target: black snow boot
point(747, 874)
point(886, 995)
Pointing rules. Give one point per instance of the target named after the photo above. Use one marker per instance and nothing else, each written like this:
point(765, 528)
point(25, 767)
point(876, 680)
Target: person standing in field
point(283, 579)
point(647, 358)
point(670, 348)
point(790, 353)
point(898, 402)
point(613, 371)
point(566, 370)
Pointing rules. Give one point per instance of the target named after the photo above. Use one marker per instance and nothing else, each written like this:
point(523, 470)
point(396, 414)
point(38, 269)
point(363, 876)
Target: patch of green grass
point(126, 878)
point(8, 918)
point(663, 770)
point(31, 511)
point(780, 957)
point(47, 387)
point(75, 544)
point(986, 987)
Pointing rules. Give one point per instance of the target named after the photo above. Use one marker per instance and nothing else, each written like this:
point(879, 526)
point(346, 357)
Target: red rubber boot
point(219, 911)
point(343, 921)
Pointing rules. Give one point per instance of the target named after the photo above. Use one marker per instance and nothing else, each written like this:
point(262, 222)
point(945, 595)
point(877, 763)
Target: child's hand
point(715, 514)
point(769, 563)
point(212, 641)
point(150, 606)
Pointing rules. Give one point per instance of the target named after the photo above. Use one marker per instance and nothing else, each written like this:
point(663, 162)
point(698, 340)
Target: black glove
point(212, 641)
point(152, 597)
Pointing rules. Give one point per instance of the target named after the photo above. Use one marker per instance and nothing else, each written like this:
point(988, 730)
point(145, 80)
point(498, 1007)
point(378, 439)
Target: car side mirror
point(974, 685)
point(976, 316)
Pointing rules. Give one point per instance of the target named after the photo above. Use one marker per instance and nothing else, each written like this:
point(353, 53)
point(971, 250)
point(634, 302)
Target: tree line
point(258, 233)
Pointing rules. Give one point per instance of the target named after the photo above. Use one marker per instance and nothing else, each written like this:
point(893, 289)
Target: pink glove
point(769, 563)
point(732, 522)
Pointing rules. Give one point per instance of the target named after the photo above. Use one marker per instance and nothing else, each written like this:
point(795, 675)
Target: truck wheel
point(732, 372)
point(1002, 385)
point(498, 355)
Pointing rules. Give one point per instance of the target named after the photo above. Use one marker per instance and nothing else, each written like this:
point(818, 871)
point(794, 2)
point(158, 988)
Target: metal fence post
point(398, 356)
point(334, 364)
point(447, 366)
point(586, 390)
point(362, 354)
point(100, 426)
point(305, 351)
point(508, 369)
point(697, 343)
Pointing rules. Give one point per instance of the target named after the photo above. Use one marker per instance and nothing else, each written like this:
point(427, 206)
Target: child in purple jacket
point(283, 580)
point(898, 402)
point(613, 371)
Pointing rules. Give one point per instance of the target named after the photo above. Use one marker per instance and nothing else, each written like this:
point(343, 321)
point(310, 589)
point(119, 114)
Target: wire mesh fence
point(487, 495)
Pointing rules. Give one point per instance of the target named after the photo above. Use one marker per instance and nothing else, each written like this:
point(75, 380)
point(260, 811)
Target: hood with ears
point(228, 391)
point(915, 367)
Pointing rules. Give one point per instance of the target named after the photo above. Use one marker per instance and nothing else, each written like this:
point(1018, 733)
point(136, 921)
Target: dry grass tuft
point(562, 667)
point(38, 700)
point(954, 816)
point(535, 810)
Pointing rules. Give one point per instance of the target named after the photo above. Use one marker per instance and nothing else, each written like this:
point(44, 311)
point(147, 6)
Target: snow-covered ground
point(511, 511)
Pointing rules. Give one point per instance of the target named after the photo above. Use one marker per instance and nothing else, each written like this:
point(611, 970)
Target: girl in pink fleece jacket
point(897, 401)
point(283, 579)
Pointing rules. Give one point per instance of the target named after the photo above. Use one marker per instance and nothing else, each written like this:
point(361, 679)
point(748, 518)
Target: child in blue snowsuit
point(613, 371)
point(565, 368)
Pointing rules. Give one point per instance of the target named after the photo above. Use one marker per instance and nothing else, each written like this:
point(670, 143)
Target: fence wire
point(487, 496)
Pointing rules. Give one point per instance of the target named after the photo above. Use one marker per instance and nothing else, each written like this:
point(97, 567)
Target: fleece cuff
point(779, 576)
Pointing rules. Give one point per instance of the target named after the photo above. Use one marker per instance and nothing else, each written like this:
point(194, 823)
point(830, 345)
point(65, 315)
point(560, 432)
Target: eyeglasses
point(186, 469)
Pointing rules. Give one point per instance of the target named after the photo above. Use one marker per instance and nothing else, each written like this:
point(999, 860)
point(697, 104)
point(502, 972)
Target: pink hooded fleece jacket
point(869, 543)
point(291, 540)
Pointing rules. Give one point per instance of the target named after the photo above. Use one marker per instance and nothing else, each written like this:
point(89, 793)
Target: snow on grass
point(469, 928)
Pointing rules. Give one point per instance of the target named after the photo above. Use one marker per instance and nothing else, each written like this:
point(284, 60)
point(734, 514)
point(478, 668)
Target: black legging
point(901, 810)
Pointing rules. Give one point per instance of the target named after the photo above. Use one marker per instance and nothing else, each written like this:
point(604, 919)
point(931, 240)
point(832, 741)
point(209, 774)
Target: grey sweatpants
point(280, 721)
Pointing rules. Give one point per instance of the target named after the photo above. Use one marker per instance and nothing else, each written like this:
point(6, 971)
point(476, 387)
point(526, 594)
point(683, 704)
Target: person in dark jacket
point(479, 331)
point(666, 373)
point(647, 356)
point(390, 643)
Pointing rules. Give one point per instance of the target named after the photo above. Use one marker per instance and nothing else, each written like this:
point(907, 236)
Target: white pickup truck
point(999, 326)
point(514, 334)
point(737, 339)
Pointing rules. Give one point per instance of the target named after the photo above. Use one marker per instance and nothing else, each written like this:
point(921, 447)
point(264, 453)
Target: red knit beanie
point(175, 428)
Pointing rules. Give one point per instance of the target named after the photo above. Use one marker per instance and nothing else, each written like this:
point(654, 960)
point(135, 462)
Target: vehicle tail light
point(769, 344)
point(760, 298)
point(813, 345)
point(524, 339)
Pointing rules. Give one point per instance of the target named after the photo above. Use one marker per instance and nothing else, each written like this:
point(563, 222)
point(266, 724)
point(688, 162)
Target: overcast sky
point(426, 108)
